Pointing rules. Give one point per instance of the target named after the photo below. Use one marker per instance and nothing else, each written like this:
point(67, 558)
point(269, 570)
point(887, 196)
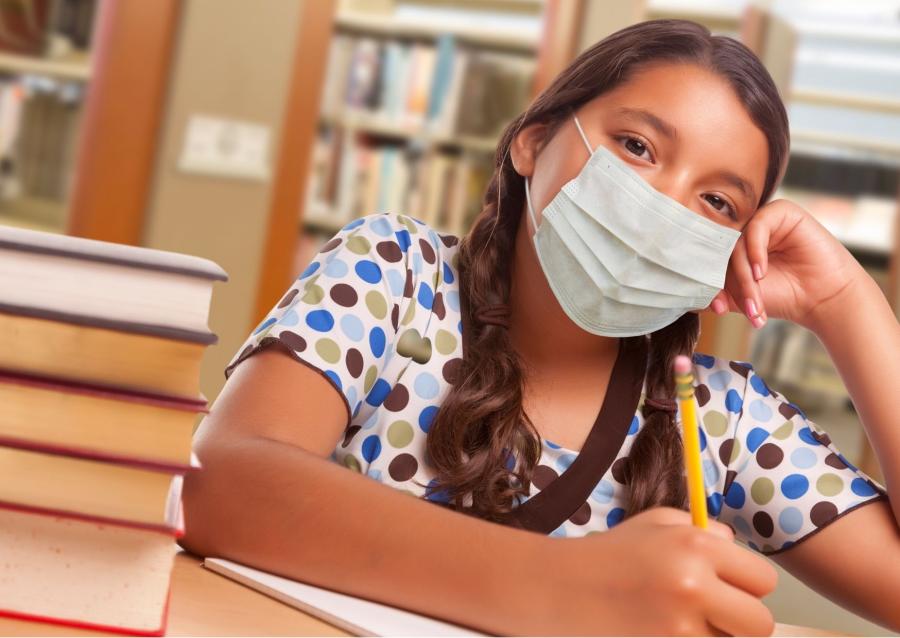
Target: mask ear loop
point(583, 136)
point(530, 207)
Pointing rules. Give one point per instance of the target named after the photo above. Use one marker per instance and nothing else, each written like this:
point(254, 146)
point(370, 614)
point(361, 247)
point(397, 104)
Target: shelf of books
point(44, 72)
point(413, 106)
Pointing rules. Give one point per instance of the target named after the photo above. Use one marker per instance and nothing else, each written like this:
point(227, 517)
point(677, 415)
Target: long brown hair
point(482, 422)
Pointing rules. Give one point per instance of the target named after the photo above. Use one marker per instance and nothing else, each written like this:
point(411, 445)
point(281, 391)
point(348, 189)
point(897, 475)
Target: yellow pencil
point(684, 387)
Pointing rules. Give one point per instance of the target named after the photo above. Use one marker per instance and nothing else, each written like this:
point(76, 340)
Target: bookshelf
point(45, 67)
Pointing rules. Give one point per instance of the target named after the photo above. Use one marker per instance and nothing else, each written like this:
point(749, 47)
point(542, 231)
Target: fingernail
point(753, 313)
point(757, 272)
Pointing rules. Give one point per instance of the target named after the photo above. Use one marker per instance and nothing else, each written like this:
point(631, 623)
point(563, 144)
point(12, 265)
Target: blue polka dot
point(368, 271)
point(426, 416)
point(742, 526)
point(459, 327)
point(794, 485)
point(265, 324)
point(753, 546)
point(755, 438)
point(290, 318)
point(351, 395)
point(396, 282)
point(702, 439)
point(419, 222)
point(797, 408)
point(846, 462)
point(735, 496)
point(759, 385)
point(432, 493)
point(704, 360)
point(371, 447)
point(787, 544)
point(377, 341)
point(417, 263)
point(803, 457)
point(710, 473)
point(551, 444)
point(806, 435)
point(426, 297)
point(791, 520)
point(733, 401)
point(633, 428)
point(378, 393)
point(559, 532)
point(510, 460)
point(760, 411)
point(861, 487)
point(335, 379)
point(719, 380)
point(603, 493)
point(564, 461)
point(374, 474)
point(403, 239)
point(310, 269)
point(371, 421)
point(355, 223)
point(353, 327)
point(615, 516)
point(357, 408)
point(448, 273)
point(320, 320)
point(714, 503)
point(381, 227)
point(453, 300)
point(337, 269)
point(426, 386)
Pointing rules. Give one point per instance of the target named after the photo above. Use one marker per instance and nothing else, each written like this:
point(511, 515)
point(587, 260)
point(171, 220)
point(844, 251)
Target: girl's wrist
point(852, 303)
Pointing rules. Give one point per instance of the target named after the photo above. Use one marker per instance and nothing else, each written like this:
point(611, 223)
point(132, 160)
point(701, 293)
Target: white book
point(357, 616)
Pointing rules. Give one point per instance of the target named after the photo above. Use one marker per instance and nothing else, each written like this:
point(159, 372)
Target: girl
point(522, 376)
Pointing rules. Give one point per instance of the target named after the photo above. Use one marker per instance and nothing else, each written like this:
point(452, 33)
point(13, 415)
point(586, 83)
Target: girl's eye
point(731, 212)
point(635, 146)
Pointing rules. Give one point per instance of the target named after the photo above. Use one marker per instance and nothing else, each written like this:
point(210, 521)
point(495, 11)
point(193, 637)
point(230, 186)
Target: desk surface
point(207, 604)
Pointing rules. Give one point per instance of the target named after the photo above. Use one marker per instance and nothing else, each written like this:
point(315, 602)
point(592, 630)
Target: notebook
point(357, 616)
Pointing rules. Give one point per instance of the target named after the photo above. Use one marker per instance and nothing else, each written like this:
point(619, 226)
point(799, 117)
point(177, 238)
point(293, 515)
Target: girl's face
point(679, 126)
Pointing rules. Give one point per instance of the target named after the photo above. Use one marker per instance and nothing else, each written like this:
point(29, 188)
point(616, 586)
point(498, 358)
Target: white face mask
point(622, 258)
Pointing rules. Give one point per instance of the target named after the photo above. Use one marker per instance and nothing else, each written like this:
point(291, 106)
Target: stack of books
point(100, 352)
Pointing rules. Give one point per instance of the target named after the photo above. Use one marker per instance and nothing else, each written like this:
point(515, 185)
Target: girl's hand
point(785, 265)
point(654, 574)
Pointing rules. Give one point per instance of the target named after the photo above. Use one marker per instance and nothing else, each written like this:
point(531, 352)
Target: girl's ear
point(525, 147)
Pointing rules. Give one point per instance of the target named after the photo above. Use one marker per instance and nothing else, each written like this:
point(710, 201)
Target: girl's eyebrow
point(670, 132)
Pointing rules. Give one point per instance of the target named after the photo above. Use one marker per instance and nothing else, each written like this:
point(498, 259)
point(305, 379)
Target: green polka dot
point(762, 490)
point(410, 224)
point(436, 280)
point(359, 245)
point(735, 451)
point(313, 295)
point(767, 548)
point(400, 434)
point(445, 342)
point(371, 376)
point(351, 462)
point(716, 422)
point(264, 333)
point(410, 313)
point(784, 430)
point(830, 484)
point(329, 350)
point(311, 281)
point(376, 304)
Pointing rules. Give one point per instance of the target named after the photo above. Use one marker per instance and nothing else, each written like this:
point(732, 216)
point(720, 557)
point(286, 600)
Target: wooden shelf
point(852, 101)
point(75, 67)
point(834, 146)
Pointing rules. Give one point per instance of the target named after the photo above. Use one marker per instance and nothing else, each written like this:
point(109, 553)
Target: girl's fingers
point(756, 236)
point(738, 613)
point(743, 287)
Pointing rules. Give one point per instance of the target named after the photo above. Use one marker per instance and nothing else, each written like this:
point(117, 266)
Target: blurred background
point(250, 132)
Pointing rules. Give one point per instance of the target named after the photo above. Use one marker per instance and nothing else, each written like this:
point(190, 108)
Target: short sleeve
point(784, 477)
point(340, 314)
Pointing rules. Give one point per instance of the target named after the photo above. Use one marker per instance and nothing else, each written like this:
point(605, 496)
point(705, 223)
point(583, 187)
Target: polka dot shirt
point(377, 312)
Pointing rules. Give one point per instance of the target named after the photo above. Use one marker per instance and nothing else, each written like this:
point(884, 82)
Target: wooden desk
point(207, 604)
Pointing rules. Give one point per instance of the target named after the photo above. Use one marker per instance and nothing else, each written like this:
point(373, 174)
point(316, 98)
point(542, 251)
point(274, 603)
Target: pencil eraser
point(682, 364)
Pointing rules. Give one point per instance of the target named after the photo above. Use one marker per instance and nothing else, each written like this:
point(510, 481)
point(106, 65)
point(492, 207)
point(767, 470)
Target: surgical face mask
point(622, 258)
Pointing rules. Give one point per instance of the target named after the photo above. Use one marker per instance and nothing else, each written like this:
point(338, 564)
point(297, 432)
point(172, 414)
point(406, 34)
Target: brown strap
point(497, 315)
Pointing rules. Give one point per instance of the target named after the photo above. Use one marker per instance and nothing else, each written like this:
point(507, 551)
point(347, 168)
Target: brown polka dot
point(729, 479)
point(331, 245)
point(403, 467)
point(288, 298)
point(822, 512)
point(821, 437)
point(449, 240)
point(354, 361)
point(427, 250)
point(437, 306)
point(408, 288)
point(763, 524)
point(773, 393)
point(351, 432)
point(786, 410)
point(835, 461)
point(397, 398)
point(389, 251)
point(582, 515)
point(395, 316)
point(702, 393)
point(621, 470)
point(292, 340)
point(741, 369)
point(344, 295)
point(769, 456)
point(543, 476)
point(451, 371)
point(725, 451)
